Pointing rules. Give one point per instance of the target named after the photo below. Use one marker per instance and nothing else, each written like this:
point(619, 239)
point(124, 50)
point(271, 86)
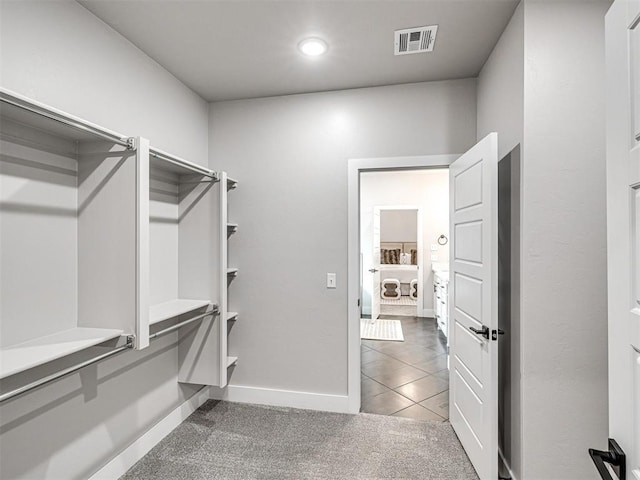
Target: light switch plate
point(331, 280)
point(434, 258)
point(434, 247)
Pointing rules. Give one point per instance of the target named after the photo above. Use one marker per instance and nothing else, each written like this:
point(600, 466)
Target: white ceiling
point(244, 49)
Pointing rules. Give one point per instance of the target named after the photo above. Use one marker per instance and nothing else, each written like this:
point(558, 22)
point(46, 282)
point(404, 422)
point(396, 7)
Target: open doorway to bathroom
point(397, 242)
point(404, 252)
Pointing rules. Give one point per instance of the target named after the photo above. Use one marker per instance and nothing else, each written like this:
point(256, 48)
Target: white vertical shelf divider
point(142, 243)
point(226, 275)
point(223, 280)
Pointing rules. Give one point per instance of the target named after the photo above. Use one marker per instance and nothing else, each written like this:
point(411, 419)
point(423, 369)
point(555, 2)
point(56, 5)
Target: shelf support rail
point(128, 346)
point(67, 120)
point(67, 371)
point(166, 157)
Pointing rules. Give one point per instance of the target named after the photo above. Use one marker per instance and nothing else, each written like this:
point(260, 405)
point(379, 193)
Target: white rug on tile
point(381, 330)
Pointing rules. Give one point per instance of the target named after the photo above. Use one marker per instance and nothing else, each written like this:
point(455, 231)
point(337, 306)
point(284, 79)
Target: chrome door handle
point(484, 331)
point(373, 270)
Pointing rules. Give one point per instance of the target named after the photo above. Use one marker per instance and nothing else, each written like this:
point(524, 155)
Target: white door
point(473, 297)
point(623, 219)
point(375, 268)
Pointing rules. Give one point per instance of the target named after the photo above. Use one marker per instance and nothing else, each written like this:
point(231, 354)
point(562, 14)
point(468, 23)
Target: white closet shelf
point(173, 308)
point(232, 271)
point(231, 361)
point(23, 356)
point(232, 315)
point(20, 109)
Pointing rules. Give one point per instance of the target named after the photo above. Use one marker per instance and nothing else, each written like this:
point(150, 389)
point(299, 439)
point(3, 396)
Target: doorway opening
point(404, 227)
point(472, 294)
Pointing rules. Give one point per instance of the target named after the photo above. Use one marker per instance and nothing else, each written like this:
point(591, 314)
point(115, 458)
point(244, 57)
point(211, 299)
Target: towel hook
point(442, 240)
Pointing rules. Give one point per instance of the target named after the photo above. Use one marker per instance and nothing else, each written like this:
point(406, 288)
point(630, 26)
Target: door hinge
point(358, 302)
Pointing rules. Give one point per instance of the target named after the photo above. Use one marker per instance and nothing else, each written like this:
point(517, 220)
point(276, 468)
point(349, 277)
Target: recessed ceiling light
point(313, 47)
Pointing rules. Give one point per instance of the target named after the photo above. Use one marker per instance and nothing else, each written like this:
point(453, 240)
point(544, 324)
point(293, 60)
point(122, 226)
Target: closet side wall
point(290, 154)
point(60, 54)
point(564, 274)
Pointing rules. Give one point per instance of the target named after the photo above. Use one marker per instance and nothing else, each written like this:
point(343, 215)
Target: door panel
point(467, 403)
point(468, 296)
point(469, 187)
point(470, 356)
point(469, 245)
point(474, 295)
point(636, 411)
point(635, 78)
point(636, 245)
point(623, 221)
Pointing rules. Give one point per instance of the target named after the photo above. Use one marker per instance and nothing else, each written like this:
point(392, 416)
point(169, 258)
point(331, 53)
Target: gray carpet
point(225, 440)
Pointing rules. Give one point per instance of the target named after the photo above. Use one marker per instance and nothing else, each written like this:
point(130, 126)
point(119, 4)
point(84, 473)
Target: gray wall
point(501, 87)
point(564, 285)
point(290, 156)
point(556, 111)
point(60, 54)
point(501, 109)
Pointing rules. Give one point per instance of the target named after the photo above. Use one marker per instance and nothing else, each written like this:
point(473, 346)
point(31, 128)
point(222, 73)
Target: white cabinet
point(440, 300)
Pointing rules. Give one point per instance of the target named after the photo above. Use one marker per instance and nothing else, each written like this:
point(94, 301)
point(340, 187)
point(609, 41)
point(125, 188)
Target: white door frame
point(355, 166)
point(420, 259)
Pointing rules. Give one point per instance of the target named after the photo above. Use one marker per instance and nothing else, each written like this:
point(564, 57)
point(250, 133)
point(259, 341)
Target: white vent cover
point(415, 40)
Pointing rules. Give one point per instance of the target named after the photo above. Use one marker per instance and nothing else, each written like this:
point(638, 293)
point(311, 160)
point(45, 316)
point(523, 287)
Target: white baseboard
point(506, 464)
point(138, 449)
point(427, 312)
point(282, 398)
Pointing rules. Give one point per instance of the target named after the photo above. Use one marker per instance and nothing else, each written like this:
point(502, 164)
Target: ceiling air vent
point(415, 40)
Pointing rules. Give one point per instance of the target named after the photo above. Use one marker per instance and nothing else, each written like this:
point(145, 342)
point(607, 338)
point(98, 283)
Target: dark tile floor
point(410, 378)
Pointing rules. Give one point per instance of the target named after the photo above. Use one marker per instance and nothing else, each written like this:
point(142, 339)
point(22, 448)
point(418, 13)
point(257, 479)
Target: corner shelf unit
point(68, 191)
point(227, 274)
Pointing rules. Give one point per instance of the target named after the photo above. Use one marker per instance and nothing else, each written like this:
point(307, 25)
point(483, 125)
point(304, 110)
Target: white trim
point(354, 167)
point(140, 447)
point(282, 398)
point(506, 464)
point(428, 312)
